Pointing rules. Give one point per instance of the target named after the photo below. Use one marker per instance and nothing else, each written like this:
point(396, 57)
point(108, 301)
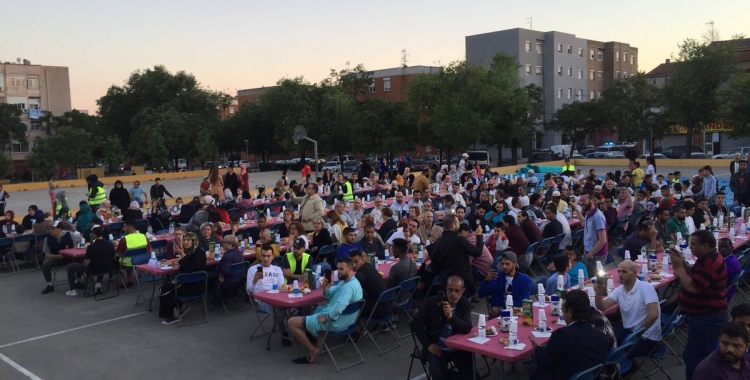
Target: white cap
point(465, 155)
point(555, 193)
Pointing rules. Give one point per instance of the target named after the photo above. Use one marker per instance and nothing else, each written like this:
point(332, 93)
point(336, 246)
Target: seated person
point(295, 262)
point(328, 317)
point(321, 235)
point(179, 232)
point(562, 264)
point(100, 258)
point(228, 282)
point(371, 244)
point(573, 348)
point(511, 282)
point(260, 278)
point(404, 268)
point(208, 240)
point(193, 260)
point(53, 244)
point(372, 284)
point(265, 239)
point(388, 223)
point(730, 360)
point(438, 318)
point(348, 243)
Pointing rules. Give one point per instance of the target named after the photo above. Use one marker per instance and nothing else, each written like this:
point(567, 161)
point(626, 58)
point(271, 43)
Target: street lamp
point(247, 149)
point(651, 119)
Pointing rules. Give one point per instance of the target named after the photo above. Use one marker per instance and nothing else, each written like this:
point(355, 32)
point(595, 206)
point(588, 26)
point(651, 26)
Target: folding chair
point(588, 374)
point(237, 269)
point(144, 278)
point(620, 353)
point(6, 245)
point(354, 308)
point(91, 280)
point(736, 283)
point(576, 239)
point(676, 319)
point(129, 254)
point(660, 349)
point(159, 247)
point(116, 229)
point(416, 353)
point(326, 252)
point(530, 250)
point(408, 286)
point(161, 232)
point(191, 278)
point(86, 235)
point(385, 320)
point(233, 211)
point(543, 244)
point(261, 321)
point(29, 254)
point(142, 225)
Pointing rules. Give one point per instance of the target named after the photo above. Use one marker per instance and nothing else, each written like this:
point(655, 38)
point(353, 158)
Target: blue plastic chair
point(326, 252)
point(6, 245)
point(530, 250)
point(116, 229)
point(142, 225)
point(543, 244)
point(241, 270)
point(124, 266)
point(620, 354)
point(354, 308)
point(588, 374)
point(29, 255)
point(387, 296)
point(191, 278)
point(159, 247)
point(144, 280)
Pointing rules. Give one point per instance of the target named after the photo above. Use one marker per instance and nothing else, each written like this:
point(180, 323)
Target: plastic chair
point(620, 354)
point(261, 321)
point(238, 269)
point(144, 278)
point(111, 274)
point(416, 353)
point(86, 235)
point(123, 266)
point(161, 232)
point(326, 252)
point(159, 247)
point(736, 283)
point(408, 286)
point(530, 251)
point(191, 278)
point(233, 211)
point(142, 225)
point(354, 308)
point(588, 374)
point(29, 254)
point(576, 239)
point(116, 229)
point(6, 245)
point(543, 244)
point(387, 297)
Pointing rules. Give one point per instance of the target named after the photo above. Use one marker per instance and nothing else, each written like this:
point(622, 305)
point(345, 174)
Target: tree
point(67, 147)
point(11, 126)
point(737, 105)
point(287, 105)
point(114, 153)
point(205, 148)
point(355, 81)
point(389, 127)
point(692, 95)
point(629, 102)
point(578, 120)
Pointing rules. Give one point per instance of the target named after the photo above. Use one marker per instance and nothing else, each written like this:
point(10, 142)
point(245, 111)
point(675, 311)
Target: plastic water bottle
point(70, 220)
point(250, 240)
point(152, 261)
point(652, 261)
point(376, 262)
point(513, 337)
point(540, 295)
point(481, 331)
point(242, 245)
point(581, 279)
point(171, 228)
point(335, 277)
point(111, 238)
point(12, 228)
point(295, 287)
point(217, 250)
point(278, 239)
point(387, 256)
point(420, 256)
point(643, 253)
point(148, 211)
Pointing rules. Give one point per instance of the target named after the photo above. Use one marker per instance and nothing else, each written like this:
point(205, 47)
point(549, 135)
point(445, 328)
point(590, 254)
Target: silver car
point(743, 151)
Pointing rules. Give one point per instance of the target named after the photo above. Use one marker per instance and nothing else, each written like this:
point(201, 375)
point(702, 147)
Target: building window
point(231, 110)
point(36, 125)
point(20, 148)
point(579, 94)
point(570, 71)
point(653, 81)
point(625, 57)
point(539, 47)
point(617, 56)
point(598, 94)
point(591, 95)
point(570, 92)
point(600, 56)
point(599, 75)
point(617, 75)
point(386, 84)
point(580, 73)
point(538, 71)
point(528, 46)
point(15, 81)
point(559, 93)
point(528, 69)
point(570, 49)
point(35, 103)
point(372, 87)
point(559, 70)
point(580, 52)
point(591, 54)
point(591, 74)
point(32, 82)
point(624, 74)
point(632, 59)
point(559, 48)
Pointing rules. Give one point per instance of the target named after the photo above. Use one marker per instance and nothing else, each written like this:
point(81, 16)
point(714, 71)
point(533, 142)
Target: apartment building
point(33, 89)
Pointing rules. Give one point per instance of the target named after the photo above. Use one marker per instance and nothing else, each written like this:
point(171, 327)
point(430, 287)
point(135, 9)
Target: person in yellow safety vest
point(348, 191)
point(60, 201)
point(295, 262)
point(568, 167)
point(133, 239)
point(96, 192)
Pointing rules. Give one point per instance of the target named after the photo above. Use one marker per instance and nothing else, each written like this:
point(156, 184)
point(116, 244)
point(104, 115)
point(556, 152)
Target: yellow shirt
point(637, 176)
point(400, 179)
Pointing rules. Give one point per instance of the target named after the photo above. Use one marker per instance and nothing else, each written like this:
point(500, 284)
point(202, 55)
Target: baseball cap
point(555, 193)
point(510, 256)
point(530, 171)
point(57, 224)
point(598, 187)
point(299, 243)
point(465, 155)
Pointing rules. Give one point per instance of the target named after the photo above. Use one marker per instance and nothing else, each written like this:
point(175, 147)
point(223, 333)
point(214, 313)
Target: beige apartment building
point(33, 89)
point(608, 62)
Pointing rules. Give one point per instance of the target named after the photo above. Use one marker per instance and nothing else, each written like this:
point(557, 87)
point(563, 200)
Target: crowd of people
point(470, 231)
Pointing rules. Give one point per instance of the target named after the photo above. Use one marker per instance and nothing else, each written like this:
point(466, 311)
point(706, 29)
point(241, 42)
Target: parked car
point(350, 166)
point(281, 164)
point(677, 151)
point(419, 165)
point(542, 156)
point(331, 165)
point(480, 155)
point(347, 157)
point(744, 151)
point(657, 156)
point(694, 155)
point(609, 148)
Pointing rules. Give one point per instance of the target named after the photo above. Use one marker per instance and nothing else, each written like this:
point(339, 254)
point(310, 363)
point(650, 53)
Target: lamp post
point(247, 149)
point(651, 137)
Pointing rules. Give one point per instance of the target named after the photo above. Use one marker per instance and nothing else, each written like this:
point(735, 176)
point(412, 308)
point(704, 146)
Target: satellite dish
point(300, 133)
point(18, 59)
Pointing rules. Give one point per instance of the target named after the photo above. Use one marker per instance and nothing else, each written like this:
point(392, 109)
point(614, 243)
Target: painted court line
point(69, 330)
point(18, 368)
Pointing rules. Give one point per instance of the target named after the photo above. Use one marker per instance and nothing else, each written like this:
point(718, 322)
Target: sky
point(232, 44)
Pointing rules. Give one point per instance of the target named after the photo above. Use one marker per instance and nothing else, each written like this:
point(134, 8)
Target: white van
point(561, 150)
point(478, 155)
point(181, 164)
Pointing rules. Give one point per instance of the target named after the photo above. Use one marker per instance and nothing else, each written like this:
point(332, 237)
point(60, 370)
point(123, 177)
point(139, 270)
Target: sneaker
point(71, 293)
point(98, 288)
point(169, 321)
point(285, 340)
point(48, 289)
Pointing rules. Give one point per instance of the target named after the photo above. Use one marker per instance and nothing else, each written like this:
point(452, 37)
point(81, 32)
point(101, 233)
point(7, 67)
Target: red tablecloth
point(385, 267)
point(160, 271)
point(282, 300)
point(74, 252)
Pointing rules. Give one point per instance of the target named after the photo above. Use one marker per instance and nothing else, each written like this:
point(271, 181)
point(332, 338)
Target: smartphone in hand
point(328, 274)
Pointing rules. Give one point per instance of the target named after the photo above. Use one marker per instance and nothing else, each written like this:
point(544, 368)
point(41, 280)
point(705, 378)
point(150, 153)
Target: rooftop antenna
point(437, 63)
point(529, 21)
point(347, 65)
point(404, 58)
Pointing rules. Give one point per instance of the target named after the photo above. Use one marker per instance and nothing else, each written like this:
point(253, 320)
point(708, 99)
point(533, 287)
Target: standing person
point(96, 193)
point(217, 184)
point(438, 318)
point(740, 186)
point(462, 163)
point(137, 193)
point(3, 196)
point(651, 169)
point(450, 253)
point(311, 207)
point(710, 185)
point(734, 166)
point(702, 297)
point(594, 230)
point(52, 186)
point(244, 178)
point(158, 190)
point(119, 197)
point(231, 180)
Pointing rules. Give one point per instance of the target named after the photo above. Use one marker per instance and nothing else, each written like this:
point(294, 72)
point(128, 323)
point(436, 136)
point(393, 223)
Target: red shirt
point(709, 277)
point(205, 185)
point(667, 202)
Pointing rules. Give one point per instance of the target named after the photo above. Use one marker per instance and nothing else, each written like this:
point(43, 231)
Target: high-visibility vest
point(568, 168)
point(348, 193)
point(100, 196)
point(293, 261)
point(135, 240)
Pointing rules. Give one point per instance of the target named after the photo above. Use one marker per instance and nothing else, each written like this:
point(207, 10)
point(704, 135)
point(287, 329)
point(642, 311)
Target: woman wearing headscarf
point(192, 259)
point(383, 169)
point(34, 215)
point(7, 223)
point(133, 212)
point(119, 196)
point(84, 219)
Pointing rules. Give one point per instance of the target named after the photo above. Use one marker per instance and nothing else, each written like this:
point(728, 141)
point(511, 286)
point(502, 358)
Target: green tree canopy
point(629, 102)
point(578, 120)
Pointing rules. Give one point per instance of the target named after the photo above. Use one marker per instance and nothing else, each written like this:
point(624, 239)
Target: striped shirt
point(709, 277)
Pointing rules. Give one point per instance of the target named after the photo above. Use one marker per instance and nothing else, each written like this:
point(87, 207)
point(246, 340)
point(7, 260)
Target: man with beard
point(730, 360)
point(740, 187)
point(594, 230)
point(677, 224)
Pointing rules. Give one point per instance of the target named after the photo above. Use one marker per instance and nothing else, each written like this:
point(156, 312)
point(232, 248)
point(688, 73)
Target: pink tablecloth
point(160, 271)
point(74, 252)
point(282, 300)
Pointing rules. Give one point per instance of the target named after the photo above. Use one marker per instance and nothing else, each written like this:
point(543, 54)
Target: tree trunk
point(499, 154)
point(513, 154)
point(689, 138)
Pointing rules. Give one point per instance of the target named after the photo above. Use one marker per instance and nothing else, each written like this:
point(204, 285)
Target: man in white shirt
point(416, 200)
point(523, 196)
point(462, 163)
point(377, 216)
point(260, 278)
point(566, 228)
point(409, 234)
point(639, 307)
point(457, 197)
point(357, 212)
point(343, 214)
point(399, 205)
point(532, 181)
point(515, 209)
